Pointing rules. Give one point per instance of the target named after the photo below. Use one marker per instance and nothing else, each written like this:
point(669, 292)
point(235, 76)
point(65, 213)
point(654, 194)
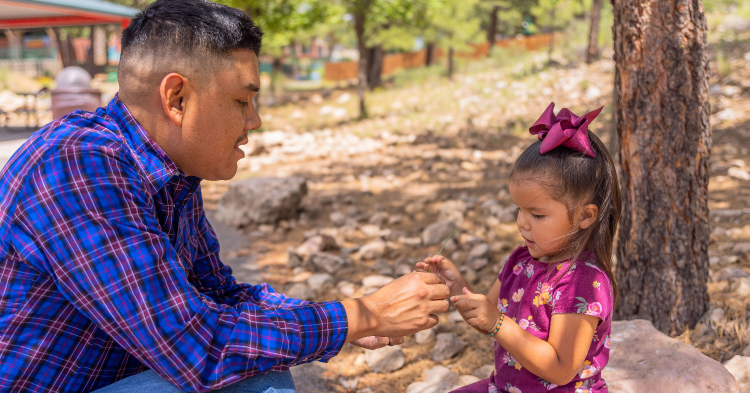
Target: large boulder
point(261, 200)
point(643, 359)
point(739, 366)
point(447, 346)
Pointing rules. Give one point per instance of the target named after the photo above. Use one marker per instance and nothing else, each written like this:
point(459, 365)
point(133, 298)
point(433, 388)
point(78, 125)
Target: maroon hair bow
point(565, 129)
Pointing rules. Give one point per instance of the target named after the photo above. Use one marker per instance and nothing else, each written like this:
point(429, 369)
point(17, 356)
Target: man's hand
point(477, 311)
point(405, 306)
point(376, 342)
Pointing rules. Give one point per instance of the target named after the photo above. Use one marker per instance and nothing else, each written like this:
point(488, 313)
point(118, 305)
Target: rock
point(437, 233)
point(441, 375)
point(346, 288)
point(418, 387)
point(382, 267)
point(373, 250)
point(403, 269)
point(739, 366)
point(741, 248)
point(318, 281)
point(349, 383)
point(738, 173)
point(395, 219)
point(729, 273)
point(447, 346)
point(700, 330)
point(410, 241)
point(376, 281)
point(317, 244)
point(370, 230)
point(452, 211)
point(716, 315)
point(467, 241)
point(746, 351)
point(491, 222)
point(644, 360)
point(300, 291)
point(261, 200)
point(480, 251)
point(379, 218)
point(386, 359)
point(325, 262)
point(741, 286)
point(293, 259)
point(478, 263)
point(425, 336)
point(471, 276)
point(455, 317)
point(450, 246)
point(485, 371)
point(338, 218)
point(465, 380)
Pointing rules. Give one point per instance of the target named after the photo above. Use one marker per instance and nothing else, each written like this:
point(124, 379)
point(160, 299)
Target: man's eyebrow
point(252, 87)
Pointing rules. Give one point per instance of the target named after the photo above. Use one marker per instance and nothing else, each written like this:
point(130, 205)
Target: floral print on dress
point(512, 389)
point(583, 386)
point(492, 388)
point(607, 342)
point(542, 294)
point(502, 305)
point(518, 295)
point(529, 271)
point(547, 384)
point(587, 371)
point(594, 309)
point(597, 285)
point(528, 323)
point(518, 269)
point(511, 361)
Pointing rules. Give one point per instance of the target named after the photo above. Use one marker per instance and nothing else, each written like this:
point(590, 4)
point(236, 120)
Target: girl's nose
point(522, 222)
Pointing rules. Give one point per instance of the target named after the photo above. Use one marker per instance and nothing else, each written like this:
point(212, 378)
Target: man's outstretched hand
point(405, 306)
point(377, 342)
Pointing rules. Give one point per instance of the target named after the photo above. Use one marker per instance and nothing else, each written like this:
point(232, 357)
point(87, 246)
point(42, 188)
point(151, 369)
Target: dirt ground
point(452, 144)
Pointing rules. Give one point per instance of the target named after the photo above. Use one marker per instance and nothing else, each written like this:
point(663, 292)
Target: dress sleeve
point(583, 289)
point(98, 229)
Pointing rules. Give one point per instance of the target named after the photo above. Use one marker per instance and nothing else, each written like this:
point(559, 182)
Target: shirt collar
point(154, 162)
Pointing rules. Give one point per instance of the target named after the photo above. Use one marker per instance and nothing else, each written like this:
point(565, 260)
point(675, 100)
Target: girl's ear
point(589, 213)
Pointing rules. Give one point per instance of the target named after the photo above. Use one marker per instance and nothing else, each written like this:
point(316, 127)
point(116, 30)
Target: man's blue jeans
point(150, 382)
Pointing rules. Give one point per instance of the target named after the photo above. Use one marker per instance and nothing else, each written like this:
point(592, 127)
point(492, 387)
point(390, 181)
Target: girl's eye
point(537, 216)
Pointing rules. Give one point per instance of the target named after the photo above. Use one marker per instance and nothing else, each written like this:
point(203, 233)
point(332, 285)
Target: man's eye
point(243, 103)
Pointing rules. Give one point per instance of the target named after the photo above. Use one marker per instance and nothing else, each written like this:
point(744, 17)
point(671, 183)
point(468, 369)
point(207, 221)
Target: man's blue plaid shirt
point(108, 267)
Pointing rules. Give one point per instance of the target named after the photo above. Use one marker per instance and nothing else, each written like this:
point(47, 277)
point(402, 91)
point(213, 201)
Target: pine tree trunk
point(661, 84)
point(430, 54)
point(592, 53)
point(450, 63)
point(492, 30)
point(362, 7)
point(375, 66)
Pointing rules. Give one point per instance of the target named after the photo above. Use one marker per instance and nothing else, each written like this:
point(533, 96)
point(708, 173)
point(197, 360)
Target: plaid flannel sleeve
point(107, 255)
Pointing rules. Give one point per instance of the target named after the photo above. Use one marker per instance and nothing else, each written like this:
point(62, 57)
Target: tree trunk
point(360, 14)
point(375, 66)
point(429, 54)
point(592, 53)
point(661, 84)
point(551, 32)
point(450, 63)
point(492, 30)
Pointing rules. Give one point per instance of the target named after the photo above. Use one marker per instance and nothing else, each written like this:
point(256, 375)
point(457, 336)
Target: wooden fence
point(347, 70)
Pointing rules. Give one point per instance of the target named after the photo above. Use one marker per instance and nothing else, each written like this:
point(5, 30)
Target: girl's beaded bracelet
point(497, 325)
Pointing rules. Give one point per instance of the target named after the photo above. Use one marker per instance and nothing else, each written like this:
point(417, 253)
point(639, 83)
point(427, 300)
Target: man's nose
point(253, 121)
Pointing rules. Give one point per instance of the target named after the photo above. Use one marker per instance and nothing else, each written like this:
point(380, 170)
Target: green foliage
point(139, 4)
point(723, 65)
point(283, 20)
point(557, 14)
point(510, 15)
point(418, 76)
point(454, 25)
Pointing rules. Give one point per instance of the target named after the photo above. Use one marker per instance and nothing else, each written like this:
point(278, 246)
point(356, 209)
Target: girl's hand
point(477, 311)
point(446, 270)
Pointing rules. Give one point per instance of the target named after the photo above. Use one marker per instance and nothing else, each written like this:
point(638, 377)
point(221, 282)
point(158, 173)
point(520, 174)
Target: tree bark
point(592, 53)
point(492, 29)
point(375, 66)
point(661, 84)
point(361, 9)
point(429, 54)
point(450, 63)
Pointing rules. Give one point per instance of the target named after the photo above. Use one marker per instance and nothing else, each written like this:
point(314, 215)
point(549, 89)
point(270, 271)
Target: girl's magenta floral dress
point(531, 291)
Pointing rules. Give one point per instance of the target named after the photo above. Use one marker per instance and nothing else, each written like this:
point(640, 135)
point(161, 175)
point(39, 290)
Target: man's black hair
point(190, 27)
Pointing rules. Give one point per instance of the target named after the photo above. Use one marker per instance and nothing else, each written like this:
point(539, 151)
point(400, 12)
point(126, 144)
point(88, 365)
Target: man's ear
point(172, 92)
point(588, 216)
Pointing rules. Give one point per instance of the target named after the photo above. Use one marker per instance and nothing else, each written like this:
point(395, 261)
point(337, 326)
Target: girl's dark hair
point(576, 179)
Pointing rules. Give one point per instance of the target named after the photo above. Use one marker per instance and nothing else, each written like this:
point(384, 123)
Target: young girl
point(550, 310)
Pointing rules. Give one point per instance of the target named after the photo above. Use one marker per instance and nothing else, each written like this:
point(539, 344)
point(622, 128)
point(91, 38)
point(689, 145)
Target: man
point(108, 266)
